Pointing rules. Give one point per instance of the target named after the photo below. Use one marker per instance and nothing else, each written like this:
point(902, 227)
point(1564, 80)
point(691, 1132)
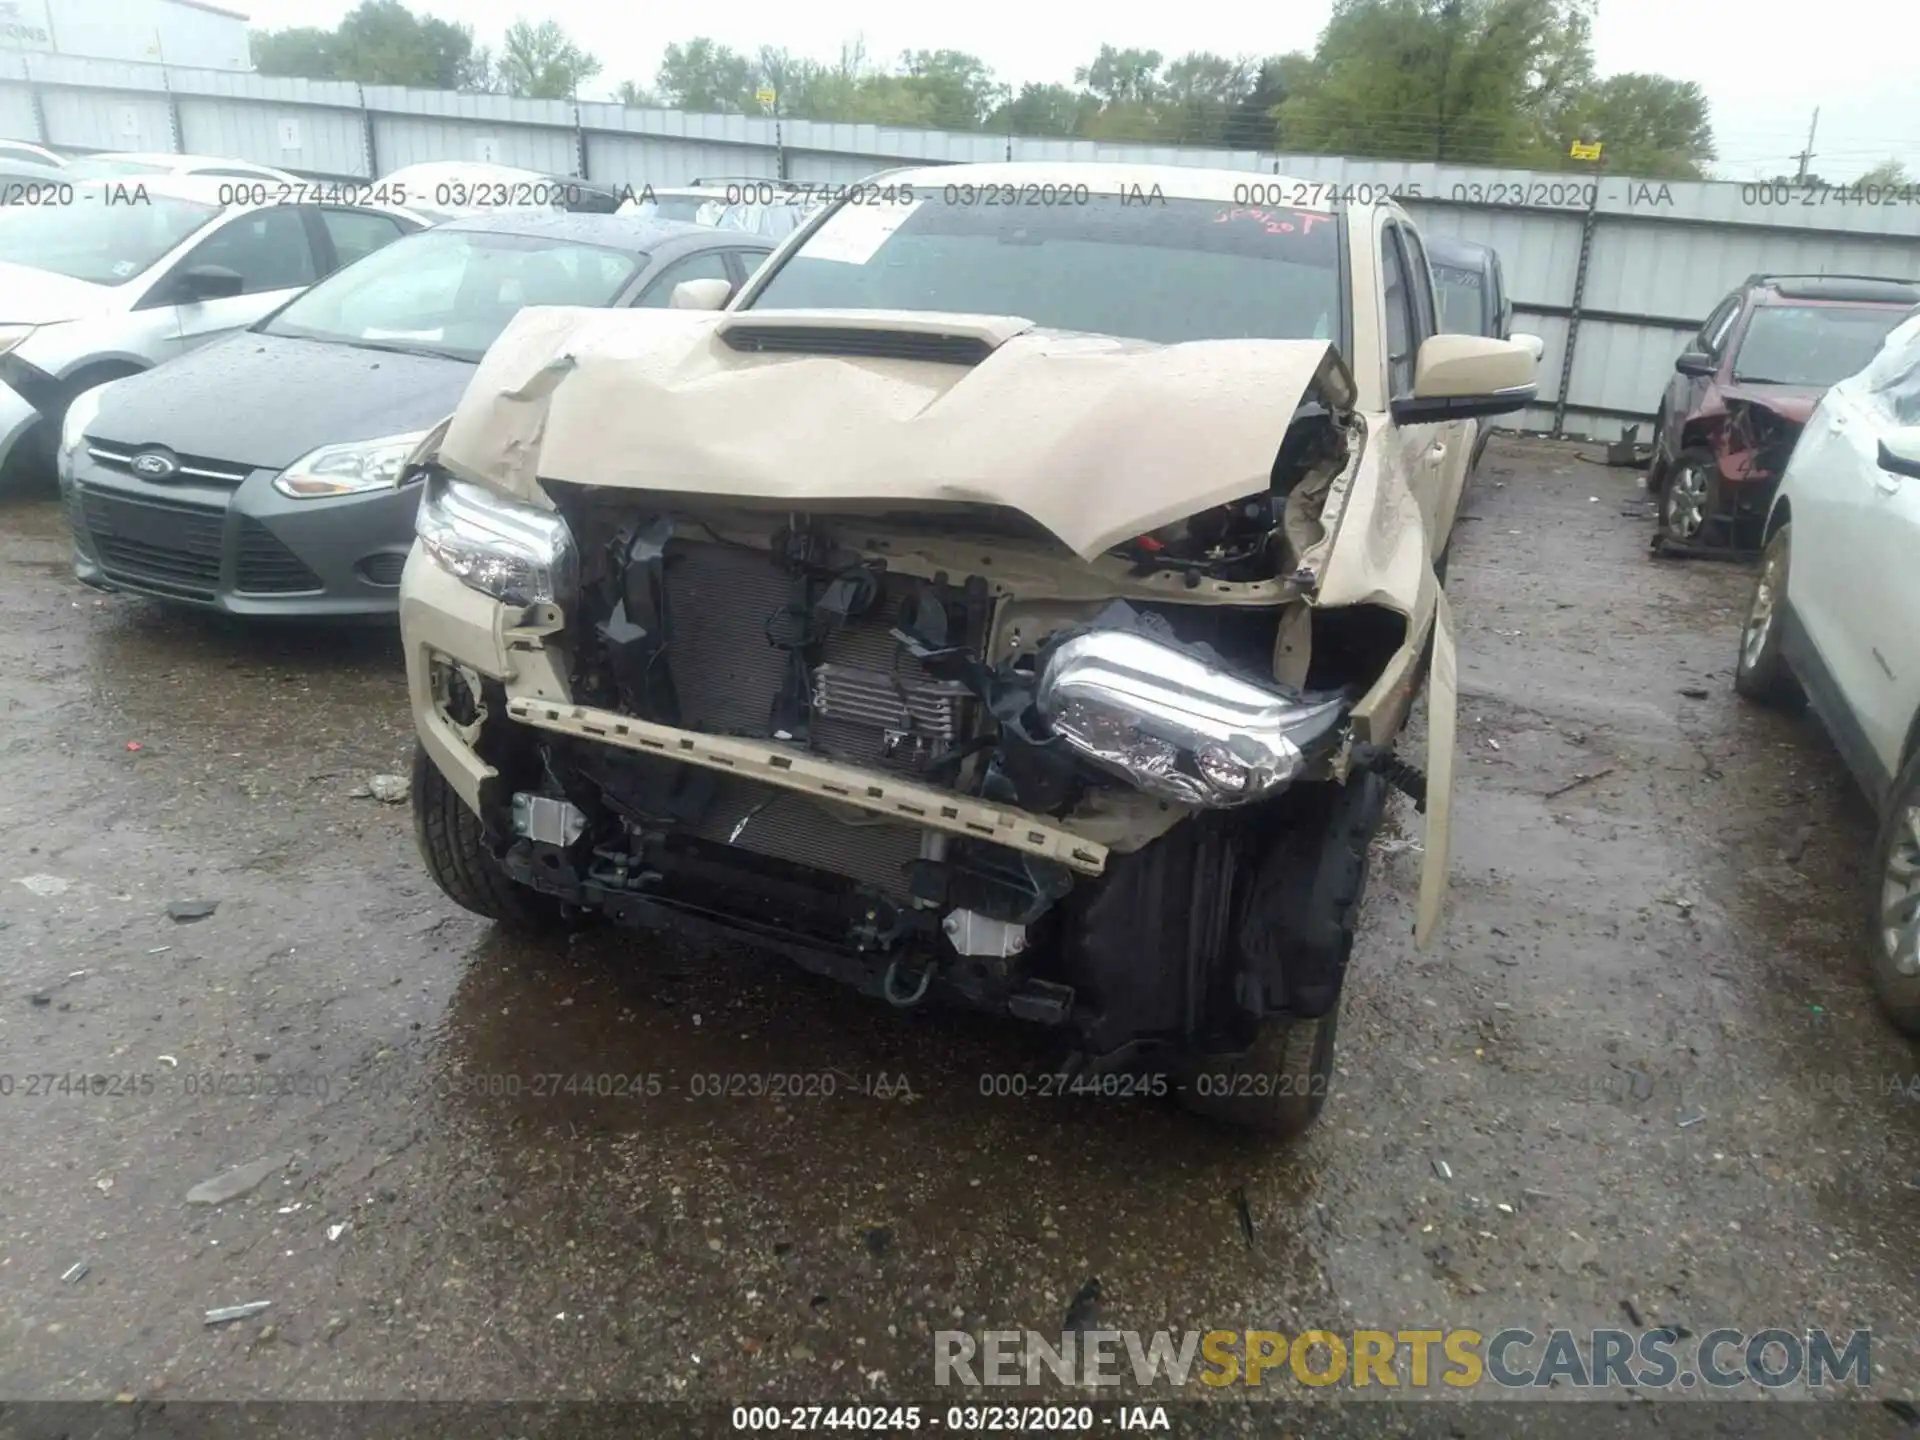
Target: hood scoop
point(964, 340)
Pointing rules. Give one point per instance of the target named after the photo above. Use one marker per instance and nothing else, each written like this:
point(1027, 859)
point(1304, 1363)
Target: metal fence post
point(368, 153)
point(1588, 222)
point(40, 131)
point(174, 130)
point(579, 141)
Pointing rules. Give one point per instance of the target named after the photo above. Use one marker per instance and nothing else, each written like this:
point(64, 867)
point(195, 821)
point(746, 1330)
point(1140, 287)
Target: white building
point(168, 32)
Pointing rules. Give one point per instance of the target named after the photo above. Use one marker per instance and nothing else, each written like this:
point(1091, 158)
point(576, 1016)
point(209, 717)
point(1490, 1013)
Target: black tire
point(1657, 452)
point(455, 849)
point(1760, 672)
point(1302, 909)
point(1278, 1087)
point(1689, 494)
point(1894, 932)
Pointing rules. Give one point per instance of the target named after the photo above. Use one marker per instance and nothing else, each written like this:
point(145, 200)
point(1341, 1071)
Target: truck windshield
point(1162, 269)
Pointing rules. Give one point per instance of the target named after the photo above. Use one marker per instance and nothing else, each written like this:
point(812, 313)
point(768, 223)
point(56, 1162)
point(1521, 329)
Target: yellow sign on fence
point(764, 95)
point(1580, 150)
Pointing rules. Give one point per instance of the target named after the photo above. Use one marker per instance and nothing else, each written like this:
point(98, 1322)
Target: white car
point(30, 154)
point(752, 206)
point(1836, 619)
point(132, 274)
point(454, 188)
point(137, 164)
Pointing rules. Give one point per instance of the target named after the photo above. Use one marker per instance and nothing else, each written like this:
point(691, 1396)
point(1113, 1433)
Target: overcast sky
point(1854, 59)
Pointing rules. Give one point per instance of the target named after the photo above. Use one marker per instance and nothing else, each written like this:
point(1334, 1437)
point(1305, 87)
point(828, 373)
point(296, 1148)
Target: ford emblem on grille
point(154, 465)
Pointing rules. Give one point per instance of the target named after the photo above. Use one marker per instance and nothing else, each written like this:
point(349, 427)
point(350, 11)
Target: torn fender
point(1095, 438)
point(1443, 700)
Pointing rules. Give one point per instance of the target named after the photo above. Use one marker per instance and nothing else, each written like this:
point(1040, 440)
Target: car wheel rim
point(1766, 604)
point(1687, 502)
point(1900, 897)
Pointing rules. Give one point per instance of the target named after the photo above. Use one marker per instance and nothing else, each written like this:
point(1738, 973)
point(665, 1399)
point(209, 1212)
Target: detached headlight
point(12, 335)
point(508, 550)
point(348, 469)
point(1176, 726)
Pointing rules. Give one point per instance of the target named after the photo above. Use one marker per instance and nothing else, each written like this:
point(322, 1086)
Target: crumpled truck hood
point(1097, 439)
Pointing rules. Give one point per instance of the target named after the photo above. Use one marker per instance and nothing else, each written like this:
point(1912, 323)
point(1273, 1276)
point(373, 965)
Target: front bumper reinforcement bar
point(790, 768)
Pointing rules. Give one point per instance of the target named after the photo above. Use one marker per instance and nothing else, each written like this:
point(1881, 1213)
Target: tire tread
point(454, 848)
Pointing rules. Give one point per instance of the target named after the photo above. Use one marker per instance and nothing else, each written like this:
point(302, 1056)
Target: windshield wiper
point(403, 347)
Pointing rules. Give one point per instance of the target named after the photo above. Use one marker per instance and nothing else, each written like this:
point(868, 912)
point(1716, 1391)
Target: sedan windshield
point(451, 292)
point(1462, 302)
point(1165, 270)
point(1812, 344)
point(110, 167)
point(102, 236)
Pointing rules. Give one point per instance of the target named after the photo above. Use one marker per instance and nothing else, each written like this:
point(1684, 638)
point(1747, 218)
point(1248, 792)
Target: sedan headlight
point(12, 335)
point(82, 410)
point(508, 550)
point(348, 469)
point(1176, 726)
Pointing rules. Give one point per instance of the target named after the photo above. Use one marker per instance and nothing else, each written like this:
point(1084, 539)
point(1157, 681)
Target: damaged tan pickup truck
point(1011, 597)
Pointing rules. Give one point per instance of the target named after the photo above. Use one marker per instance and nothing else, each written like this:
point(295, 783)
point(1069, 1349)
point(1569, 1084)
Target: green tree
point(542, 62)
point(701, 75)
point(1043, 110)
point(958, 89)
point(1122, 77)
point(1200, 96)
point(1464, 81)
point(632, 92)
point(1887, 174)
point(1254, 118)
point(379, 43)
point(1649, 124)
point(790, 77)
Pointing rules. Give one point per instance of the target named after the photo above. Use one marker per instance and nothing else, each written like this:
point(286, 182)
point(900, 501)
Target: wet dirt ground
point(1640, 1081)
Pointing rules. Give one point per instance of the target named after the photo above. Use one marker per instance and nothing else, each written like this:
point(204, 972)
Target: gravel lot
point(1644, 1050)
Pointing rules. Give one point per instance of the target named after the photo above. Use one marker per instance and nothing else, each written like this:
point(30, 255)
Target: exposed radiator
point(872, 704)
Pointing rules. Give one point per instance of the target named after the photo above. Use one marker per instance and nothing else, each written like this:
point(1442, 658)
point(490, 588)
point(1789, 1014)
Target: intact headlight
point(348, 469)
point(82, 410)
point(508, 550)
point(1174, 725)
point(11, 336)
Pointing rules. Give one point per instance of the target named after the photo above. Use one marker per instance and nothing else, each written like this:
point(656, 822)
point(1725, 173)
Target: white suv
point(1836, 619)
point(137, 271)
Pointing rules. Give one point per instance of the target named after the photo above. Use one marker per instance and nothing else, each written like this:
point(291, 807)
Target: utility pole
point(1807, 154)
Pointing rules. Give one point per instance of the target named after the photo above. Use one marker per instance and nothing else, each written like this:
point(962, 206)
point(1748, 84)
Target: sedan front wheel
point(1688, 498)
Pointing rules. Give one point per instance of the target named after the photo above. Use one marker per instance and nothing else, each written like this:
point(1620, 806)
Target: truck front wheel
point(1277, 1087)
point(1292, 944)
point(455, 850)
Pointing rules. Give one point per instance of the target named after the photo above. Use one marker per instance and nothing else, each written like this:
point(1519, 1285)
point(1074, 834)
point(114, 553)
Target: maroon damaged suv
point(1743, 389)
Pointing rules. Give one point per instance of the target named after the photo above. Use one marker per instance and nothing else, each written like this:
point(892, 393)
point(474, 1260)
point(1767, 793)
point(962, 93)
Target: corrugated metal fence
point(1612, 272)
